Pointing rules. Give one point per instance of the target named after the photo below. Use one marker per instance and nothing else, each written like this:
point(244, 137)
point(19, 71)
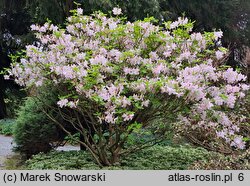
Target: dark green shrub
point(153, 158)
point(13, 99)
point(34, 132)
point(7, 126)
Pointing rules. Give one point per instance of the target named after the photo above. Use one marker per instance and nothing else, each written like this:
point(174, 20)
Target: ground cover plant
point(153, 158)
point(114, 78)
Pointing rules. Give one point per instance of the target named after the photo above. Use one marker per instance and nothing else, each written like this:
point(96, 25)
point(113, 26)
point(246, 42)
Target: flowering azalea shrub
point(115, 77)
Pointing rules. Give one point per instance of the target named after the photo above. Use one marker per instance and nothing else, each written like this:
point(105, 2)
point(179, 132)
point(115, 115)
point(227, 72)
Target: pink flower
point(112, 25)
point(224, 120)
point(145, 103)
point(117, 11)
point(104, 94)
point(68, 73)
point(110, 118)
point(6, 77)
point(115, 53)
point(196, 36)
point(185, 55)
point(218, 100)
point(34, 27)
point(218, 35)
point(241, 95)
point(125, 102)
point(219, 54)
point(127, 117)
point(238, 142)
point(232, 89)
point(241, 77)
point(71, 104)
point(136, 97)
point(169, 90)
point(230, 75)
point(79, 11)
point(98, 60)
point(62, 102)
point(153, 56)
point(221, 134)
point(167, 53)
point(245, 87)
point(205, 105)
point(131, 71)
point(141, 87)
point(231, 101)
point(182, 21)
point(158, 69)
point(174, 24)
point(39, 83)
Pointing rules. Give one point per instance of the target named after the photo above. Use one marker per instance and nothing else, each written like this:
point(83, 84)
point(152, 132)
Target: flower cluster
point(121, 66)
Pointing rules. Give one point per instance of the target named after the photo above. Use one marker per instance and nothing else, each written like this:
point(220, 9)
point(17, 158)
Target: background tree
point(16, 16)
point(231, 16)
point(14, 34)
point(133, 9)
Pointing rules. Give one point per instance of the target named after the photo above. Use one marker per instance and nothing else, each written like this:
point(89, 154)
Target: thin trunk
point(82, 147)
point(69, 6)
point(2, 103)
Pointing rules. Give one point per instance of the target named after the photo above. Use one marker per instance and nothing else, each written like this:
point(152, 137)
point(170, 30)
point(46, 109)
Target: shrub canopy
point(115, 77)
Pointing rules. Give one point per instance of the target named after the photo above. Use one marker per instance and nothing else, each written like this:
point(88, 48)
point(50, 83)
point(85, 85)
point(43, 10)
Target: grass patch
point(14, 162)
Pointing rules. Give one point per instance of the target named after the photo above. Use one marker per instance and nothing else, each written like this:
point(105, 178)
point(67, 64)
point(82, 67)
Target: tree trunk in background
point(2, 103)
point(82, 147)
point(69, 6)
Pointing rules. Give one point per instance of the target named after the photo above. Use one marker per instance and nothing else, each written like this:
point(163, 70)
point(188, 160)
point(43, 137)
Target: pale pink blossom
point(6, 77)
point(221, 134)
point(62, 102)
point(117, 11)
point(218, 35)
point(127, 117)
point(158, 69)
point(112, 25)
point(196, 36)
point(72, 104)
point(125, 102)
point(230, 75)
point(218, 100)
point(145, 103)
point(238, 142)
point(231, 101)
point(219, 54)
point(79, 11)
point(110, 118)
point(98, 60)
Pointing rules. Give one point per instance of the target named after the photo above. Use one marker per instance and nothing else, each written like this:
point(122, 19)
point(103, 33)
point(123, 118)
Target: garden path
point(5, 149)
point(6, 145)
